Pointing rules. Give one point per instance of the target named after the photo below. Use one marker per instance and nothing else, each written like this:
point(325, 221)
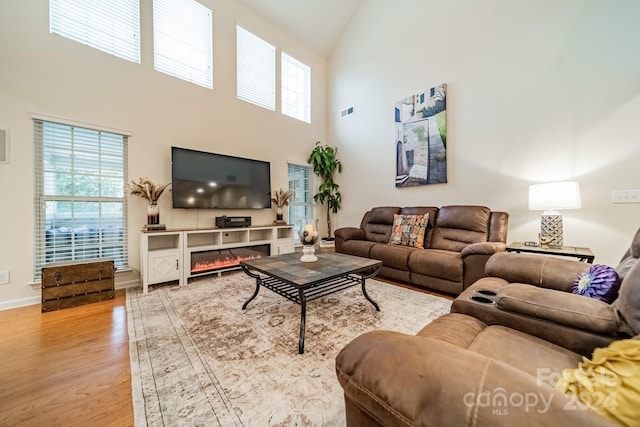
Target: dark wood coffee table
point(301, 282)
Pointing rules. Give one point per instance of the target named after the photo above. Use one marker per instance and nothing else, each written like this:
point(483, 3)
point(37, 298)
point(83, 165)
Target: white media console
point(180, 254)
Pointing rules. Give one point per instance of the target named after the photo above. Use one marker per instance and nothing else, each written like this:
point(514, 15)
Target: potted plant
point(325, 163)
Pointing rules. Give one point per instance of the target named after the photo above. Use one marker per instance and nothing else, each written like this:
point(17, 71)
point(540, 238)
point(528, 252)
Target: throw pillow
point(609, 383)
point(408, 230)
point(599, 281)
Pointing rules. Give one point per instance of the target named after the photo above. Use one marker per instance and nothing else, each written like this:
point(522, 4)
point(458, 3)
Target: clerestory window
point(183, 40)
point(111, 26)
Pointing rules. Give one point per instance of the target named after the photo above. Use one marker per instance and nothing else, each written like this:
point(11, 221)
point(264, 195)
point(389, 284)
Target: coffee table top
point(290, 269)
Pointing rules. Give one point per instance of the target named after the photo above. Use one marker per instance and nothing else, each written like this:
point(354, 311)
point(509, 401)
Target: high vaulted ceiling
point(317, 23)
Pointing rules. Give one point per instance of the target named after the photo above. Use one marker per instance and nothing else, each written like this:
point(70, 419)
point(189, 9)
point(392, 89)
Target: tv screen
point(202, 180)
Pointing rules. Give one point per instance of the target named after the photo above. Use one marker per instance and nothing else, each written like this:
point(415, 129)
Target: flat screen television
point(202, 180)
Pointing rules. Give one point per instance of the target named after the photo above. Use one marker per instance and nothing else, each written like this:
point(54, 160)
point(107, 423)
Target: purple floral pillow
point(599, 282)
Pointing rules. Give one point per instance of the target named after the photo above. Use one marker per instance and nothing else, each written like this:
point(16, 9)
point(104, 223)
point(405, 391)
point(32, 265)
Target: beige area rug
point(198, 359)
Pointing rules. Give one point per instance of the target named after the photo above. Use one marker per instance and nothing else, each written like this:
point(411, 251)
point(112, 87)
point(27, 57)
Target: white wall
point(49, 74)
point(538, 91)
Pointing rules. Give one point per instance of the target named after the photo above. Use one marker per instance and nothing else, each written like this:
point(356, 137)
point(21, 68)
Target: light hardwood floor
point(66, 368)
point(69, 367)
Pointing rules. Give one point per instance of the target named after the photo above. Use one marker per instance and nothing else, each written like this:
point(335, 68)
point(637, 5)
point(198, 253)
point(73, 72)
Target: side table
point(583, 254)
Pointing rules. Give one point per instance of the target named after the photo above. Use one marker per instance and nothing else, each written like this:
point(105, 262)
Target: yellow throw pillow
point(609, 383)
point(408, 230)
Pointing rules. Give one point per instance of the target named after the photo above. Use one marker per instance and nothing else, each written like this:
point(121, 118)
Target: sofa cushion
point(392, 256)
point(409, 230)
point(527, 353)
point(437, 263)
point(379, 224)
point(542, 271)
point(459, 226)
point(562, 308)
point(455, 328)
point(628, 302)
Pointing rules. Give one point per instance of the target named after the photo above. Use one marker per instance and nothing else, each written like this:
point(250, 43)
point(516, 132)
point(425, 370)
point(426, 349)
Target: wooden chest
point(76, 283)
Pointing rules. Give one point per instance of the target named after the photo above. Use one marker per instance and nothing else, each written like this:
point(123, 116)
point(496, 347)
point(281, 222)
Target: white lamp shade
point(554, 196)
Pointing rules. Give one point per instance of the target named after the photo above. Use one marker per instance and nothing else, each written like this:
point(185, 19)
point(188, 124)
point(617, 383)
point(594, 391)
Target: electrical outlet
point(625, 196)
point(4, 277)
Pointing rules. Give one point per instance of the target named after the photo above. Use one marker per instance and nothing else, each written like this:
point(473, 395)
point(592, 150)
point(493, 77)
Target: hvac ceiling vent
point(347, 112)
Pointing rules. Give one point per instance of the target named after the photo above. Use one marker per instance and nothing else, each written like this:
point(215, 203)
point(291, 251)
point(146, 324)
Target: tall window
point(256, 70)
point(112, 26)
point(296, 88)
point(301, 204)
point(183, 40)
point(79, 195)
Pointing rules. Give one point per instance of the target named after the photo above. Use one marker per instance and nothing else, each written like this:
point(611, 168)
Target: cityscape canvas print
point(421, 138)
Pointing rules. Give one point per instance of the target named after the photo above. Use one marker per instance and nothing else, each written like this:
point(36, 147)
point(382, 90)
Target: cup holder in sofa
point(480, 298)
point(487, 292)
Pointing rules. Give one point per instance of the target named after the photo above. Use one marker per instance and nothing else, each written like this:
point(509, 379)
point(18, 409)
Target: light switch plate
point(4, 277)
point(625, 196)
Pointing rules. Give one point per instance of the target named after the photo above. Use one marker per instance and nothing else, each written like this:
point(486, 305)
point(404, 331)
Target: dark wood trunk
point(77, 283)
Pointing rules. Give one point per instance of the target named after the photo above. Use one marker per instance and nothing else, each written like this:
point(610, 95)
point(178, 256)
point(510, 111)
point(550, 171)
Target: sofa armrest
point(543, 271)
point(475, 257)
point(349, 233)
point(483, 248)
point(399, 380)
point(564, 308)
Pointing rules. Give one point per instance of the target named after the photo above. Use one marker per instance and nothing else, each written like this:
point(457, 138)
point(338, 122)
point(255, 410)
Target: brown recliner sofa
point(461, 371)
point(533, 294)
point(458, 241)
point(458, 371)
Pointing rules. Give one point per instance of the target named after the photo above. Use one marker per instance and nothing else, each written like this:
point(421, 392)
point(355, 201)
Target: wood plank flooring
point(66, 368)
point(70, 367)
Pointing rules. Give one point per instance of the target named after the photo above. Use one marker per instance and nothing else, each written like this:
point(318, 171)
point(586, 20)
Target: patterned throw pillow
point(599, 281)
point(408, 230)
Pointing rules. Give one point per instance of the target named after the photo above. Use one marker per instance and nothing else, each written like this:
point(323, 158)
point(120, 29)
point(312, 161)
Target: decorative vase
point(309, 238)
point(279, 214)
point(153, 214)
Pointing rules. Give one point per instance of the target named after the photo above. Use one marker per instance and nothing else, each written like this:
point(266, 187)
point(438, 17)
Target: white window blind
point(79, 195)
point(256, 70)
point(111, 26)
point(183, 40)
point(301, 203)
point(296, 88)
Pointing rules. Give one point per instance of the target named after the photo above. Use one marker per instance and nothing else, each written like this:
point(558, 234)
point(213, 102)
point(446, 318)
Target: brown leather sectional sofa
point(458, 242)
point(496, 363)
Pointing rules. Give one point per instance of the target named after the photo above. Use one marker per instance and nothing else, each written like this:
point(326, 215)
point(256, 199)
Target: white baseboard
point(23, 302)
point(16, 303)
point(128, 284)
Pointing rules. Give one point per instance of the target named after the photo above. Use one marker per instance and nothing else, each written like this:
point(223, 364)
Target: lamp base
point(551, 229)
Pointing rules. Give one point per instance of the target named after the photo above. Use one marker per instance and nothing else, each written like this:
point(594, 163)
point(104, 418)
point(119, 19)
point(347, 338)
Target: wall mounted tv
point(202, 180)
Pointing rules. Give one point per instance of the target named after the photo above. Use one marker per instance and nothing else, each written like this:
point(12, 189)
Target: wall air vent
point(347, 112)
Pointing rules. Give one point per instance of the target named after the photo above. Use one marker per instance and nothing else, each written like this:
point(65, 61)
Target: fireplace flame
point(219, 260)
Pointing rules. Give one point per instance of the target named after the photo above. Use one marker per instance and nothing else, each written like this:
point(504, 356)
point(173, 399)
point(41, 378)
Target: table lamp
point(551, 197)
